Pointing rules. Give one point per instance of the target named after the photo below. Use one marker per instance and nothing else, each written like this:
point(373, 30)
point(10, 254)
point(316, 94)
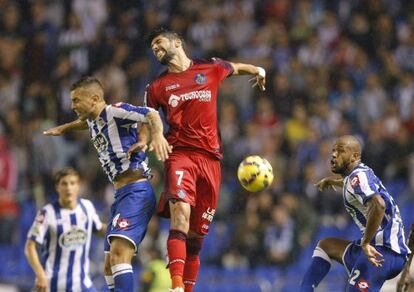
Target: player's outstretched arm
point(158, 143)
point(329, 182)
point(405, 280)
point(62, 129)
point(33, 259)
point(259, 73)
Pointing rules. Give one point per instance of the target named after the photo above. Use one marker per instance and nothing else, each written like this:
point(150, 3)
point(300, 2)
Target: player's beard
point(341, 169)
point(165, 60)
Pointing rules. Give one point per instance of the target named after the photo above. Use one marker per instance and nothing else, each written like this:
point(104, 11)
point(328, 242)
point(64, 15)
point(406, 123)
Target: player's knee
point(193, 245)
point(179, 221)
point(121, 251)
point(107, 267)
point(324, 244)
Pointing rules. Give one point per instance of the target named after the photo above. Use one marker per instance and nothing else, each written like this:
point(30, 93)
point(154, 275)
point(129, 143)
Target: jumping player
point(381, 252)
point(63, 229)
point(113, 131)
point(187, 94)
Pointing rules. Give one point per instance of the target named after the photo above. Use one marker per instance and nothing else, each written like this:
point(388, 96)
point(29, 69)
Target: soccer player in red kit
point(187, 93)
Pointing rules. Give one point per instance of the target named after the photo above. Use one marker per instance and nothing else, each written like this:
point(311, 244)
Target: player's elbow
point(28, 247)
point(378, 203)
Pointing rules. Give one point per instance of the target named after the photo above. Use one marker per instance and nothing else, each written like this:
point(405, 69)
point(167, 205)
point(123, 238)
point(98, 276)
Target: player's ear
point(178, 43)
point(356, 156)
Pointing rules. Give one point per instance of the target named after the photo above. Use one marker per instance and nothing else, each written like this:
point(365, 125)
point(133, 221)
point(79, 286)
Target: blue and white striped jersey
point(65, 237)
point(113, 132)
point(359, 186)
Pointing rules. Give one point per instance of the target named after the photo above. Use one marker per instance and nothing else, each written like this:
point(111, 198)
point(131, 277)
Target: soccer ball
point(255, 173)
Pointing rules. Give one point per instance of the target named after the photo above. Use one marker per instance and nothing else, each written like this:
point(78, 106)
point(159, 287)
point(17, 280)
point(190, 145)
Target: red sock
point(176, 247)
point(192, 263)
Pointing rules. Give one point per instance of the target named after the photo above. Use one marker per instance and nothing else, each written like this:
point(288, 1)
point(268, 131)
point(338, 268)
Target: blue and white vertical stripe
point(113, 132)
point(361, 185)
point(65, 238)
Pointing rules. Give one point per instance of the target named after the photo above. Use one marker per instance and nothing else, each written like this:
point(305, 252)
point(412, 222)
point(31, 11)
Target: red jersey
point(189, 101)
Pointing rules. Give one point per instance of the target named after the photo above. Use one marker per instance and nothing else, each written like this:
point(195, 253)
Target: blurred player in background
point(63, 229)
point(114, 132)
point(187, 94)
point(381, 253)
point(155, 278)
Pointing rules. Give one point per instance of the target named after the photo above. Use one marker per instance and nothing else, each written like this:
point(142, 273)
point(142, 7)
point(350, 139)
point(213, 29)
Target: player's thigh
point(131, 213)
point(181, 176)
point(122, 250)
point(334, 247)
point(364, 275)
point(207, 195)
point(180, 215)
point(107, 263)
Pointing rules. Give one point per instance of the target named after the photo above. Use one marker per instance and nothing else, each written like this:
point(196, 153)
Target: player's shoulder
point(86, 203)
point(361, 173)
point(123, 106)
point(44, 212)
point(209, 61)
point(204, 61)
point(120, 105)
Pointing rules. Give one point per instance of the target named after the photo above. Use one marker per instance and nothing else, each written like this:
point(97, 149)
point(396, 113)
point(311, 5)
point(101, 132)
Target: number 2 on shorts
point(180, 174)
point(355, 275)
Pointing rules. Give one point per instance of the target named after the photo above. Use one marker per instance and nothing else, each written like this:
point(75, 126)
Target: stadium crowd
point(333, 67)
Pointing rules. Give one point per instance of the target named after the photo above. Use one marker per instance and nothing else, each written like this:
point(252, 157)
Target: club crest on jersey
point(181, 194)
point(100, 142)
point(200, 78)
point(173, 100)
point(363, 285)
point(73, 238)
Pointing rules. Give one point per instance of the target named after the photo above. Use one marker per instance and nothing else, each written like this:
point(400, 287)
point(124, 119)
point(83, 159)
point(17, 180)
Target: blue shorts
point(130, 213)
point(364, 276)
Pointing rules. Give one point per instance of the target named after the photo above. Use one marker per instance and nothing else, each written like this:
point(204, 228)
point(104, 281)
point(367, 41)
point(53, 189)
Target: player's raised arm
point(259, 73)
point(61, 129)
point(32, 256)
point(158, 143)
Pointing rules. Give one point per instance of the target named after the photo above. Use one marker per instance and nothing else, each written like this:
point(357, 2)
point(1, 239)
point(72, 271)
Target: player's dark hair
point(65, 172)
point(171, 35)
point(85, 81)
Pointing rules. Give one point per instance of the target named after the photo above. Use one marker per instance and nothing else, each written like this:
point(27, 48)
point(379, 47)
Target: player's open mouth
point(160, 54)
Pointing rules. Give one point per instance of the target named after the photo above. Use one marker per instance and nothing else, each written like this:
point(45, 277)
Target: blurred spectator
point(279, 236)
point(8, 185)
point(155, 277)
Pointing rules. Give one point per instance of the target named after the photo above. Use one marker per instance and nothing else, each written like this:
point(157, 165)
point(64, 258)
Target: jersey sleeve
point(130, 112)
point(224, 68)
point(150, 99)
point(364, 187)
point(39, 227)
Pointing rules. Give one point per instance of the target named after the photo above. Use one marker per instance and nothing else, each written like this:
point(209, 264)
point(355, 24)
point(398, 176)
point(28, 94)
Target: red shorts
point(192, 177)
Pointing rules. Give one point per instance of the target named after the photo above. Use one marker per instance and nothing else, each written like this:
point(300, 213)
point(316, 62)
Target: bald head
point(351, 143)
point(346, 154)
